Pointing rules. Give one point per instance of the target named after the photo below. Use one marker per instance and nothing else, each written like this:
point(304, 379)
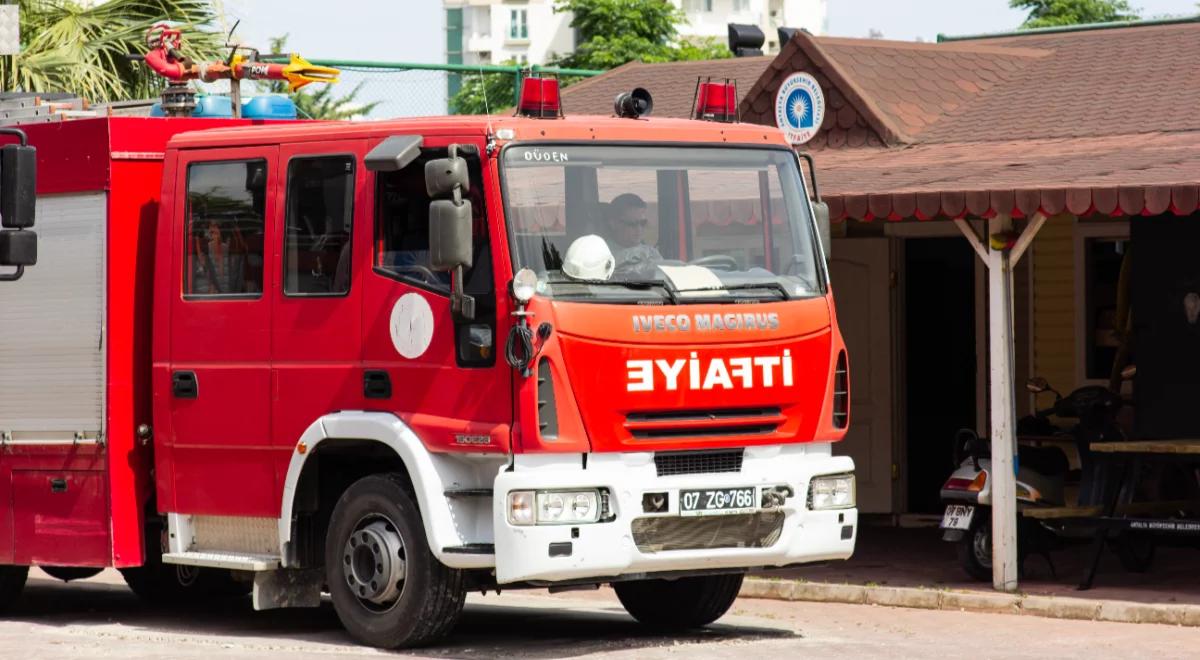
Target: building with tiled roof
point(1062, 133)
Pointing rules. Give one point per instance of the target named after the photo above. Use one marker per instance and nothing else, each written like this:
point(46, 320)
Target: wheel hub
point(374, 562)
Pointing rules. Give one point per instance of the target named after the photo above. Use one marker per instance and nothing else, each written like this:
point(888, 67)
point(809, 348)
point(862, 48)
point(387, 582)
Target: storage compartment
point(1166, 319)
point(60, 517)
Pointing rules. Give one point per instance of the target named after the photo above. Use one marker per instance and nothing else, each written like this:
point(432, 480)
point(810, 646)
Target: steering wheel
point(723, 261)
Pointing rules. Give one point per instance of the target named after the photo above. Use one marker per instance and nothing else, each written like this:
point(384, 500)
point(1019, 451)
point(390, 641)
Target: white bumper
point(609, 549)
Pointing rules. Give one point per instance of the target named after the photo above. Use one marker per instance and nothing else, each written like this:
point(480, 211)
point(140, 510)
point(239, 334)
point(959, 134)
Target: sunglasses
point(640, 224)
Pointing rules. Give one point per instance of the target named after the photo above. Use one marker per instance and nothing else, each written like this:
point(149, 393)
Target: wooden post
point(1003, 412)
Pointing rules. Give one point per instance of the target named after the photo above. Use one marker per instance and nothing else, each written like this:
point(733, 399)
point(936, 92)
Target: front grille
point(704, 423)
point(698, 462)
point(750, 530)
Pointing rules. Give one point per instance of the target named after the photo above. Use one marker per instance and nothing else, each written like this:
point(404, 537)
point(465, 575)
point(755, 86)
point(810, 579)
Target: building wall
point(1054, 303)
point(710, 18)
point(488, 37)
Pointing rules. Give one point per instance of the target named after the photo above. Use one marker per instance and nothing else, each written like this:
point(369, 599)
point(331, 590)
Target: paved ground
point(99, 618)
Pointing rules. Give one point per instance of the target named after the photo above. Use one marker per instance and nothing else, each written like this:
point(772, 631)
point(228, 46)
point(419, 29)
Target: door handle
point(377, 384)
point(184, 385)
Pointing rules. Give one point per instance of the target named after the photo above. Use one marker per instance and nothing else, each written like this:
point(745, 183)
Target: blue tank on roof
point(270, 106)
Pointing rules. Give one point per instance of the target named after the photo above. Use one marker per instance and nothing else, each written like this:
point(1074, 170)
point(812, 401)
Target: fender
point(431, 474)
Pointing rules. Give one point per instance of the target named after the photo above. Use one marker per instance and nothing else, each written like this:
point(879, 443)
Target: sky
point(414, 31)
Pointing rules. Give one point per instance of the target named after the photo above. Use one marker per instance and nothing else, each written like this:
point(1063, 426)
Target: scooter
point(1043, 474)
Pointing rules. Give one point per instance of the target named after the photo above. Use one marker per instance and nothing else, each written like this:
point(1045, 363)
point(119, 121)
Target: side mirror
point(449, 234)
point(445, 177)
point(18, 186)
point(824, 230)
point(450, 239)
point(1037, 385)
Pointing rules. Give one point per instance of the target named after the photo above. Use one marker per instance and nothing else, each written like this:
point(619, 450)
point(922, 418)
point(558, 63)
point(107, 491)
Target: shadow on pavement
point(552, 629)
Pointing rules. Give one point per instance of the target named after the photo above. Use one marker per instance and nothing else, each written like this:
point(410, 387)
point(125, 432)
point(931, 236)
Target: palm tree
point(81, 48)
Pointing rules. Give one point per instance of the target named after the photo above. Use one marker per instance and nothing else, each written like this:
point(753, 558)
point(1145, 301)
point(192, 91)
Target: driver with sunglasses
point(626, 220)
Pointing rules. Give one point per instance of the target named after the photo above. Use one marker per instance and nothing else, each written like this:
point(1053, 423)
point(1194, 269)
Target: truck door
point(445, 379)
point(316, 346)
point(220, 336)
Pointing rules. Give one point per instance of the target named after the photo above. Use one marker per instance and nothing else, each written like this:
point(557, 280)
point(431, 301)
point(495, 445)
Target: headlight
point(832, 492)
point(553, 507)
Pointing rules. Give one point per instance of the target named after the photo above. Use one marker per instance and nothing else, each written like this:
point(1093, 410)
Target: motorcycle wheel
point(975, 549)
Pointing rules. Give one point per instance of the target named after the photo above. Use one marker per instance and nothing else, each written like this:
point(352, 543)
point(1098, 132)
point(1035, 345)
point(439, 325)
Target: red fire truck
point(397, 361)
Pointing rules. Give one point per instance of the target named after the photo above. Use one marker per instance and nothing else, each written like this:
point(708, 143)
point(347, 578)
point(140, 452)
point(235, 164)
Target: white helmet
point(589, 258)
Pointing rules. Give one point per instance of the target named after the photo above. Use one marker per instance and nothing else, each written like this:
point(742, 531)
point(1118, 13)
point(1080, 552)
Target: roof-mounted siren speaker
point(634, 104)
point(745, 40)
point(785, 35)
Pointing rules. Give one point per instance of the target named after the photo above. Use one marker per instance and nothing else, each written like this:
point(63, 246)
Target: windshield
point(672, 224)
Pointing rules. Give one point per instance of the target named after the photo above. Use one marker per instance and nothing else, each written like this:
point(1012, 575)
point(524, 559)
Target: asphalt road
point(100, 618)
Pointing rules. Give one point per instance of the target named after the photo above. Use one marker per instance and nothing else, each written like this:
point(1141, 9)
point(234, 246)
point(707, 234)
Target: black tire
point(68, 573)
point(1135, 552)
point(689, 602)
point(12, 582)
point(176, 585)
point(421, 599)
point(975, 549)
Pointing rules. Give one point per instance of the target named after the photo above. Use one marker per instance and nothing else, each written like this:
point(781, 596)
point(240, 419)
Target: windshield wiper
point(746, 286)
point(671, 292)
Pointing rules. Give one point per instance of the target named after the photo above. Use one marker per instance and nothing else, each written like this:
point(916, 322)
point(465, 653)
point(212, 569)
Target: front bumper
point(609, 549)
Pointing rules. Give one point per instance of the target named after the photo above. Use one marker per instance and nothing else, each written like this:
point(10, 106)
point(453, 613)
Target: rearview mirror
point(18, 186)
point(824, 230)
point(445, 176)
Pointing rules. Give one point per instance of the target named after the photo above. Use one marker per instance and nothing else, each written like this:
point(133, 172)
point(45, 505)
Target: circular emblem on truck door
point(411, 325)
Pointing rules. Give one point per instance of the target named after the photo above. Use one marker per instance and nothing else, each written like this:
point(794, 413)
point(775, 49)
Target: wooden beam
point(1026, 238)
point(972, 238)
point(1003, 411)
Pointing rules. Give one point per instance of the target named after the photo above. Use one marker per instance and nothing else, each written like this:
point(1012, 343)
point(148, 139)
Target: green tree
point(77, 47)
point(613, 32)
point(1053, 13)
point(483, 93)
point(316, 100)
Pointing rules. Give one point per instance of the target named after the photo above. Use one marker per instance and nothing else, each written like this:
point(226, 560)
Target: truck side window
point(320, 213)
point(223, 231)
point(402, 227)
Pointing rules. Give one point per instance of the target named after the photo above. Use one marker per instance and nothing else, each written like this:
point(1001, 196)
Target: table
point(1125, 459)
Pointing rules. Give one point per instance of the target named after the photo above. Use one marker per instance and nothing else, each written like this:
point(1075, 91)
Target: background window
point(320, 214)
point(223, 235)
point(1102, 260)
point(518, 27)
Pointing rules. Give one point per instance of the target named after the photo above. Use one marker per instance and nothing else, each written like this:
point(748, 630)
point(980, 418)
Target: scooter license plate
point(958, 516)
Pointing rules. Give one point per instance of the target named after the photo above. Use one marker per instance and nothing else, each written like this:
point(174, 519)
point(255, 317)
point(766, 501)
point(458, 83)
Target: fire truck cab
point(395, 361)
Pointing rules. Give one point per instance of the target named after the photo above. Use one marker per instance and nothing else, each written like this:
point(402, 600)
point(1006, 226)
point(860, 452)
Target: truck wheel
point(688, 602)
point(175, 584)
point(387, 587)
point(975, 549)
point(12, 581)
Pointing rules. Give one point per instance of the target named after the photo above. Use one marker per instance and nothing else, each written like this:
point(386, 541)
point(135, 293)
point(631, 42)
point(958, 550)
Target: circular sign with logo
point(799, 107)
point(411, 325)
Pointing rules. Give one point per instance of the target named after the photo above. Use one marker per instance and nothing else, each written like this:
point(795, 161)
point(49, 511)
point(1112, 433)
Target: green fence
point(410, 89)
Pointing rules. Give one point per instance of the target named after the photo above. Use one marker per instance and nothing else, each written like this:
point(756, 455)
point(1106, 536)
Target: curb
point(974, 601)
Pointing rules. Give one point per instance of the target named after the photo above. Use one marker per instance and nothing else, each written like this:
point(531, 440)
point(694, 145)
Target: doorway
point(940, 361)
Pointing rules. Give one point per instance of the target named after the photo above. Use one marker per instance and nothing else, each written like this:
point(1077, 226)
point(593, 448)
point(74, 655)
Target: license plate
point(958, 516)
point(718, 501)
